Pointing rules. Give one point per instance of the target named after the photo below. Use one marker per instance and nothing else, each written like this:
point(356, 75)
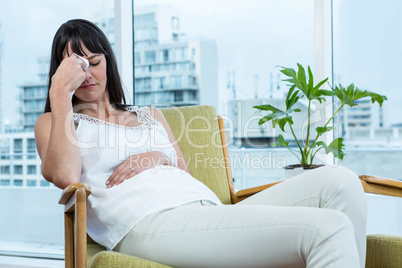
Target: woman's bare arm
point(55, 136)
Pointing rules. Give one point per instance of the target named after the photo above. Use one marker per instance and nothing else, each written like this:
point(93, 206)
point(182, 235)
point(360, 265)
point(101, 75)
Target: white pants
point(317, 219)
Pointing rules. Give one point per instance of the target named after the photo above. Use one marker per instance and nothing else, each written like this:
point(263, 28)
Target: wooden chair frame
point(74, 198)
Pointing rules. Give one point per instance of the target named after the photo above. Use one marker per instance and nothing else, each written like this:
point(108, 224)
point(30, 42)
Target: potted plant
point(301, 88)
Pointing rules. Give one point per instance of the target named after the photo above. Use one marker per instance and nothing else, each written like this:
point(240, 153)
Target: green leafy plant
point(301, 88)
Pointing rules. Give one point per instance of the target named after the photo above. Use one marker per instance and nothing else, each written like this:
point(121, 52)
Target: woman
point(144, 200)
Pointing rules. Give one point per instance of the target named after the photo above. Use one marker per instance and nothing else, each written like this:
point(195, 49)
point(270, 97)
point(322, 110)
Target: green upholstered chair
point(201, 136)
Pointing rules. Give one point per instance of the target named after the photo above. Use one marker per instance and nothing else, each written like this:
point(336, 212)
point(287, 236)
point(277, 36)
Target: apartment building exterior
point(20, 165)
point(241, 123)
point(32, 103)
point(171, 69)
point(362, 121)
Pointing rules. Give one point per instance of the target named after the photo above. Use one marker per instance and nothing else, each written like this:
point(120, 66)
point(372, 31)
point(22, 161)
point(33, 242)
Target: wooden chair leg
point(80, 229)
point(69, 239)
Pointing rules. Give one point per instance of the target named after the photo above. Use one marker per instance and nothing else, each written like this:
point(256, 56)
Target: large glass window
point(35, 225)
point(367, 53)
point(228, 61)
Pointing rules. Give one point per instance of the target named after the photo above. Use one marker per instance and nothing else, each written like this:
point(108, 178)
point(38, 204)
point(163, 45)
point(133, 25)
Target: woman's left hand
point(136, 164)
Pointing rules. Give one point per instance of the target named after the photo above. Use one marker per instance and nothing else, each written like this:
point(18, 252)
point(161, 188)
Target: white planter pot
point(292, 170)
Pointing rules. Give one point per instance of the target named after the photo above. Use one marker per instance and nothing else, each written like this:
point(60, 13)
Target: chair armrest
point(245, 193)
point(379, 185)
point(74, 199)
point(371, 184)
point(69, 191)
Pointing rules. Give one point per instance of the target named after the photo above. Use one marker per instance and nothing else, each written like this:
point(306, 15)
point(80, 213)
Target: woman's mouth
point(87, 86)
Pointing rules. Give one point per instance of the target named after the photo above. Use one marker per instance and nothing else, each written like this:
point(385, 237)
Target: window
point(371, 134)
point(178, 96)
point(18, 182)
point(198, 63)
point(142, 33)
point(164, 55)
point(192, 81)
point(181, 54)
point(18, 169)
point(17, 148)
point(150, 56)
point(150, 17)
point(137, 58)
point(154, 34)
point(5, 170)
point(160, 83)
point(31, 183)
point(4, 182)
point(175, 23)
point(44, 183)
point(176, 81)
point(31, 169)
point(31, 148)
point(143, 83)
point(22, 98)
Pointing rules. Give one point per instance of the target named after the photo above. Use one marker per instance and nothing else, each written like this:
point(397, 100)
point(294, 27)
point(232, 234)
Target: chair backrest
point(197, 132)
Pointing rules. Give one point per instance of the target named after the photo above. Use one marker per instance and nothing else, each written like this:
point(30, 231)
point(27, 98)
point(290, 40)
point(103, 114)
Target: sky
point(252, 37)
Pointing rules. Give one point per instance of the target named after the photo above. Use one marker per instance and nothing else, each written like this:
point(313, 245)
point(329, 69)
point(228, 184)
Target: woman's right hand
point(69, 75)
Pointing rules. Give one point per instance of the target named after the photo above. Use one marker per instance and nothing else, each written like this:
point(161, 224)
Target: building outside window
point(31, 144)
point(18, 169)
point(144, 18)
point(17, 148)
point(175, 23)
point(137, 58)
point(176, 81)
point(31, 169)
point(44, 183)
point(31, 183)
point(150, 56)
point(5, 170)
point(5, 182)
point(164, 55)
point(18, 182)
point(143, 83)
point(181, 53)
point(178, 96)
point(160, 82)
point(143, 34)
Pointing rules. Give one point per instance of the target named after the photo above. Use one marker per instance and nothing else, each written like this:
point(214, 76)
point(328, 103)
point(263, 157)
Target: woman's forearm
point(62, 164)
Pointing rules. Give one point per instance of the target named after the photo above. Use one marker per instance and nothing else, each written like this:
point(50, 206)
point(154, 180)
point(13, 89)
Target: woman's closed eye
point(96, 63)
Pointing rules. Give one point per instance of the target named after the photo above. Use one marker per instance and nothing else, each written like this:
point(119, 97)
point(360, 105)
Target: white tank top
point(113, 212)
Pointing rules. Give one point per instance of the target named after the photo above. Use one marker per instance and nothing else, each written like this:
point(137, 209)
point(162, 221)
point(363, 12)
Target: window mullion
point(323, 67)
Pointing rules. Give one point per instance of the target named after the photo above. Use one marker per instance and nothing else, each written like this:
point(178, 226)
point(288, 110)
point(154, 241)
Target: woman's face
point(93, 89)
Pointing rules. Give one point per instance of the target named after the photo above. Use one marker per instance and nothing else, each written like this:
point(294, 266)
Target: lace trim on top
point(143, 116)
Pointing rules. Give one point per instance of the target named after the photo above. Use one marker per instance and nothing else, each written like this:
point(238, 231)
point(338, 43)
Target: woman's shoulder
point(145, 110)
point(44, 118)
point(147, 114)
point(43, 125)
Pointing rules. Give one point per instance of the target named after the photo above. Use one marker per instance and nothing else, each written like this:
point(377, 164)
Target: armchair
point(201, 136)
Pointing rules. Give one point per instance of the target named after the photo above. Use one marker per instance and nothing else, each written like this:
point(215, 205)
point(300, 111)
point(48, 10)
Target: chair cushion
point(107, 259)
point(197, 131)
point(98, 257)
point(384, 251)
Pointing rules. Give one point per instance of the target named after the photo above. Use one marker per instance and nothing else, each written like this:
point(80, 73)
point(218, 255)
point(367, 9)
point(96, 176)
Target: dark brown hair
point(77, 32)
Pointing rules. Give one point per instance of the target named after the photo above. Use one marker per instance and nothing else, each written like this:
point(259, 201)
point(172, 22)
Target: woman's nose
point(88, 73)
